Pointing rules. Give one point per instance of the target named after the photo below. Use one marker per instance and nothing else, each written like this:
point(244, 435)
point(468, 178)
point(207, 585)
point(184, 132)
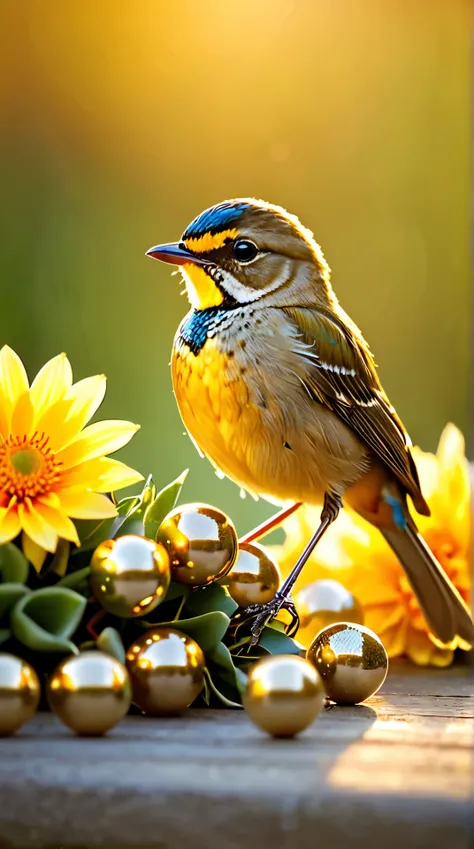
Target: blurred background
point(122, 120)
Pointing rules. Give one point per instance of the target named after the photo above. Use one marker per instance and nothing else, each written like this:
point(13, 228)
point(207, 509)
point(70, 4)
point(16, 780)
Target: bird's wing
point(341, 375)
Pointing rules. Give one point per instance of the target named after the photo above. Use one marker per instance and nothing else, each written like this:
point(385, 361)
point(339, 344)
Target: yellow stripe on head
point(209, 241)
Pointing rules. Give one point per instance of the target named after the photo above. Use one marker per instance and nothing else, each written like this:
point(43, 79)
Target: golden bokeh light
point(117, 133)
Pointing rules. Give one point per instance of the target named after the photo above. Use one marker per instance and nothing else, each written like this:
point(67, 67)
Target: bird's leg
point(332, 505)
point(282, 600)
point(246, 616)
point(269, 524)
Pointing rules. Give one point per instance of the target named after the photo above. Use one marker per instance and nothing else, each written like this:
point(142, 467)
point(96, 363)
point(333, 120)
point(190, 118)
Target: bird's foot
point(260, 615)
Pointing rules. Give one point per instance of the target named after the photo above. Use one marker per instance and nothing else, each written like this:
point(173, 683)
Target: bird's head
point(243, 251)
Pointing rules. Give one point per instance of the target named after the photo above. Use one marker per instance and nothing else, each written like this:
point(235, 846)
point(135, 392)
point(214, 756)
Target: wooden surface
point(395, 772)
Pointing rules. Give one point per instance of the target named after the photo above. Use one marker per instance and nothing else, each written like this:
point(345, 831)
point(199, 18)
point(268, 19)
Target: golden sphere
point(130, 575)
point(201, 542)
point(351, 660)
point(254, 577)
point(284, 695)
point(90, 692)
point(19, 693)
point(324, 603)
point(167, 671)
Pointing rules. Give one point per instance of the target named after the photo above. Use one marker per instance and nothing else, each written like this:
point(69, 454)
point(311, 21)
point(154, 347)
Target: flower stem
point(93, 621)
point(180, 608)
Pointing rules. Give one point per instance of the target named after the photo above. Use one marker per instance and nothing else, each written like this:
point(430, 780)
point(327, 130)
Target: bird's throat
point(201, 290)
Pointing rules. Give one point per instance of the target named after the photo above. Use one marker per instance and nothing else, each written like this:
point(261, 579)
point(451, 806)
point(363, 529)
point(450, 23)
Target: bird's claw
point(260, 615)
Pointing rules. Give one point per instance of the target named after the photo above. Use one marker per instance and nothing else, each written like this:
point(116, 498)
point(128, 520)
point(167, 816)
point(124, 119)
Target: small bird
point(278, 388)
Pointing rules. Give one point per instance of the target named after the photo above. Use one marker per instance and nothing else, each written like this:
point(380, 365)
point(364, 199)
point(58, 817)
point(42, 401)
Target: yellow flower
point(355, 553)
point(53, 468)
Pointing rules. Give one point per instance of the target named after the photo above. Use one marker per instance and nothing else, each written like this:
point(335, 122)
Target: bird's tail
point(445, 611)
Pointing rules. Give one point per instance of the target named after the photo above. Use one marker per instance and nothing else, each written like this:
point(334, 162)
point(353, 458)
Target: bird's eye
point(244, 251)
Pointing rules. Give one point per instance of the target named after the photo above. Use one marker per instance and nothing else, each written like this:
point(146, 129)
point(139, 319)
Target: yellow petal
point(52, 500)
point(394, 639)
point(459, 569)
point(13, 379)
point(374, 587)
point(451, 445)
point(36, 527)
point(428, 470)
point(420, 650)
point(51, 383)
point(87, 396)
point(97, 439)
point(56, 424)
point(10, 525)
point(36, 554)
point(22, 416)
point(86, 505)
point(419, 647)
point(454, 481)
point(384, 616)
point(101, 475)
point(441, 658)
point(57, 520)
point(4, 416)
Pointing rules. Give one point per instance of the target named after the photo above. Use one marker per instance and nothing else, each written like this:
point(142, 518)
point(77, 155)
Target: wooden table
point(395, 773)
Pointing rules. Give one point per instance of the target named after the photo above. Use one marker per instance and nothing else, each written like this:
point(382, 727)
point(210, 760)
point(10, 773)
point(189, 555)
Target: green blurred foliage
point(122, 120)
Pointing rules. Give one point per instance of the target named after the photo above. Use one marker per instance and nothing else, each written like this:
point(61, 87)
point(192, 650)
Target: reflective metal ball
point(90, 692)
point(130, 575)
point(324, 603)
point(351, 660)
point(167, 671)
point(254, 577)
point(284, 695)
point(201, 542)
point(19, 693)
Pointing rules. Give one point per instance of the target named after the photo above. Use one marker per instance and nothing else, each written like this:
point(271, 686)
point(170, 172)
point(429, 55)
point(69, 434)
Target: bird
point(278, 388)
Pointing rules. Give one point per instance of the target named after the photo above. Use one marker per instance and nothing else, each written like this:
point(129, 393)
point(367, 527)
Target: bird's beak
point(176, 254)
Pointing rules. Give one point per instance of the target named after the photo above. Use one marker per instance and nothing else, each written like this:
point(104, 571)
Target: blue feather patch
point(214, 219)
point(195, 330)
point(397, 510)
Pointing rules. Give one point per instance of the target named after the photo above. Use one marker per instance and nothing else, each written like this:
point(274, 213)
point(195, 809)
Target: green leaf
point(9, 595)
point(208, 599)
point(241, 679)
point(222, 658)
point(171, 606)
point(277, 642)
point(5, 635)
point(164, 502)
point(176, 590)
point(134, 522)
point(14, 566)
point(207, 630)
point(219, 694)
point(78, 580)
point(277, 625)
point(206, 695)
point(45, 619)
point(101, 532)
point(107, 528)
point(110, 642)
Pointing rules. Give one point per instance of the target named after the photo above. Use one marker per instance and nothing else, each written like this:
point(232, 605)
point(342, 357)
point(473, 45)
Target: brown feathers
point(341, 374)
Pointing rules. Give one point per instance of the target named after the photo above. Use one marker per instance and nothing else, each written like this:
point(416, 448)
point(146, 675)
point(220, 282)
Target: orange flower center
point(27, 466)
